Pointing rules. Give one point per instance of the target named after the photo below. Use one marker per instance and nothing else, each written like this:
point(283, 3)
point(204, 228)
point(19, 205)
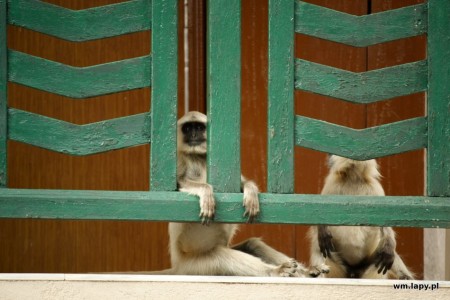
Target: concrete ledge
point(118, 286)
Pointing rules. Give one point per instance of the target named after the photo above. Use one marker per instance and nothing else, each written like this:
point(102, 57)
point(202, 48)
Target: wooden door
point(106, 246)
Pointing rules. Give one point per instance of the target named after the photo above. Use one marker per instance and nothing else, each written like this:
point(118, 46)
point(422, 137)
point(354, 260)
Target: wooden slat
point(3, 94)
point(81, 25)
point(360, 31)
point(438, 163)
point(405, 211)
point(76, 82)
point(280, 162)
point(361, 144)
point(363, 87)
point(224, 94)
point(75, 139)
point(164, 95)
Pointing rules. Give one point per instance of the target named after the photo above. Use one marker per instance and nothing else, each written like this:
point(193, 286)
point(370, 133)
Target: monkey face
point(192, 133)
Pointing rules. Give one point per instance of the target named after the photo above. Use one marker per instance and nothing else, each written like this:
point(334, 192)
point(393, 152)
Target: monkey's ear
point(330, 160)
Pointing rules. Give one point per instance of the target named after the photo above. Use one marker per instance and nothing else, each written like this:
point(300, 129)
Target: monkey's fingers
point(327, 247)
point(251, 214)
point(384, 264)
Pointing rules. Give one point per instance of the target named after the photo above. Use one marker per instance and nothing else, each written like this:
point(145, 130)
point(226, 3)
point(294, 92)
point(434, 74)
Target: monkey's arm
point(385, 253)
point(251, 201)
point(205, 193)
point(325, 241)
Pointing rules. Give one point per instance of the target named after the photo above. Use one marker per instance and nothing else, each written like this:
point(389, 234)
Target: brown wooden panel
point(93, 246)
point(80, 246)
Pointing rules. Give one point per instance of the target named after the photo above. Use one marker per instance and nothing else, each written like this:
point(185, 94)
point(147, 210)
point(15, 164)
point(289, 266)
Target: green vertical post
point(163, 166)
point(280, 160)
point(224, 94)
point(438, 152)
point(3, 93)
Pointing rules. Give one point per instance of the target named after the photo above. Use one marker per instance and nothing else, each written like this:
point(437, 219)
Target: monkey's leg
point(256, 247)
point(385, 252)
point(229, 262)
point(316, 260)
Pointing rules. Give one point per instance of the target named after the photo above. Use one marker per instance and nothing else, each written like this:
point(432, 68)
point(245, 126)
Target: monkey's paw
point(316, 271)
point(287, 269)
point(384, 258)
point(301, 270)
point(207, 207)
point(251, 205)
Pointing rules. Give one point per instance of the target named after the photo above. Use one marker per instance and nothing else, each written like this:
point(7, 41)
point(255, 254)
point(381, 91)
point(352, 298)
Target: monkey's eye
point(193, 126)
point(200, 127)
point(186, 128)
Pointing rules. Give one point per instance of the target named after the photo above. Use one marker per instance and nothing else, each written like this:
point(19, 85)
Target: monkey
point(354, 251)
point(204, 248)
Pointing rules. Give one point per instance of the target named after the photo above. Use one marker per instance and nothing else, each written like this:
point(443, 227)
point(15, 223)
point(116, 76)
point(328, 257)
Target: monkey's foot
point(316, 271)
point(287, 269)
point(301, 270)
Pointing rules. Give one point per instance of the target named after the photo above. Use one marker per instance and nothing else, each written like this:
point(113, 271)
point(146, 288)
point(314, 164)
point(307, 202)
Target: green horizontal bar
point(361, 144)
point(75, 139)
point(81, 25)
point(360, 31)
point(364, 87)
point(407, 211)
point(77, 82)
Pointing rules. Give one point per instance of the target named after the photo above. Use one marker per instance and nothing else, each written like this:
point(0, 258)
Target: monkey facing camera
point(354, 251)
point(204, 249)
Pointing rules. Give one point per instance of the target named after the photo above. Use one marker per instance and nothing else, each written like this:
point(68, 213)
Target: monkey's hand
point(325, 241)
point(251, 201)
point(207, 203)
point(384, 256)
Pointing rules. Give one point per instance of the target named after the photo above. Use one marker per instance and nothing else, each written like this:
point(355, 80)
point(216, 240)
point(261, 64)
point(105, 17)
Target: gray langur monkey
point(204, 249)
point(354, 251)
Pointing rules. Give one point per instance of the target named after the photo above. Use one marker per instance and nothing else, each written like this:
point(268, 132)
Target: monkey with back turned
point(355, 251)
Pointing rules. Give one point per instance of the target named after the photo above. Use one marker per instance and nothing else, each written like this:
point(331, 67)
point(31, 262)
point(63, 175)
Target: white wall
point(61, 286)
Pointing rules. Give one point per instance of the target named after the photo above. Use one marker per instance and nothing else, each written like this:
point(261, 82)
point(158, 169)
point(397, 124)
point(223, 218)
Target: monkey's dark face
point(194, 133)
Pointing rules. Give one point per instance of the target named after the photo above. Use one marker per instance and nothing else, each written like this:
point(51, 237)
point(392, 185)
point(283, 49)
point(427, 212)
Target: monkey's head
point(349, 169)
point(192, 133)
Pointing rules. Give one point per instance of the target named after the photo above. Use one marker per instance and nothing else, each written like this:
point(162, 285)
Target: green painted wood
point(438, 154)
point(164, 95)
point(224, 94)
point(81, 25)
point(364, 87)
point(405, 211)
point(77, 82)
point(360, 31)
point(3, 94)
point(75, 139)
point(280, 124)
point(361, 144)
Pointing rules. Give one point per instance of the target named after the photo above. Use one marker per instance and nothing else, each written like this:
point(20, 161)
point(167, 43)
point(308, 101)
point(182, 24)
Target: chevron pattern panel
point(158, 69)
point(287, 130)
